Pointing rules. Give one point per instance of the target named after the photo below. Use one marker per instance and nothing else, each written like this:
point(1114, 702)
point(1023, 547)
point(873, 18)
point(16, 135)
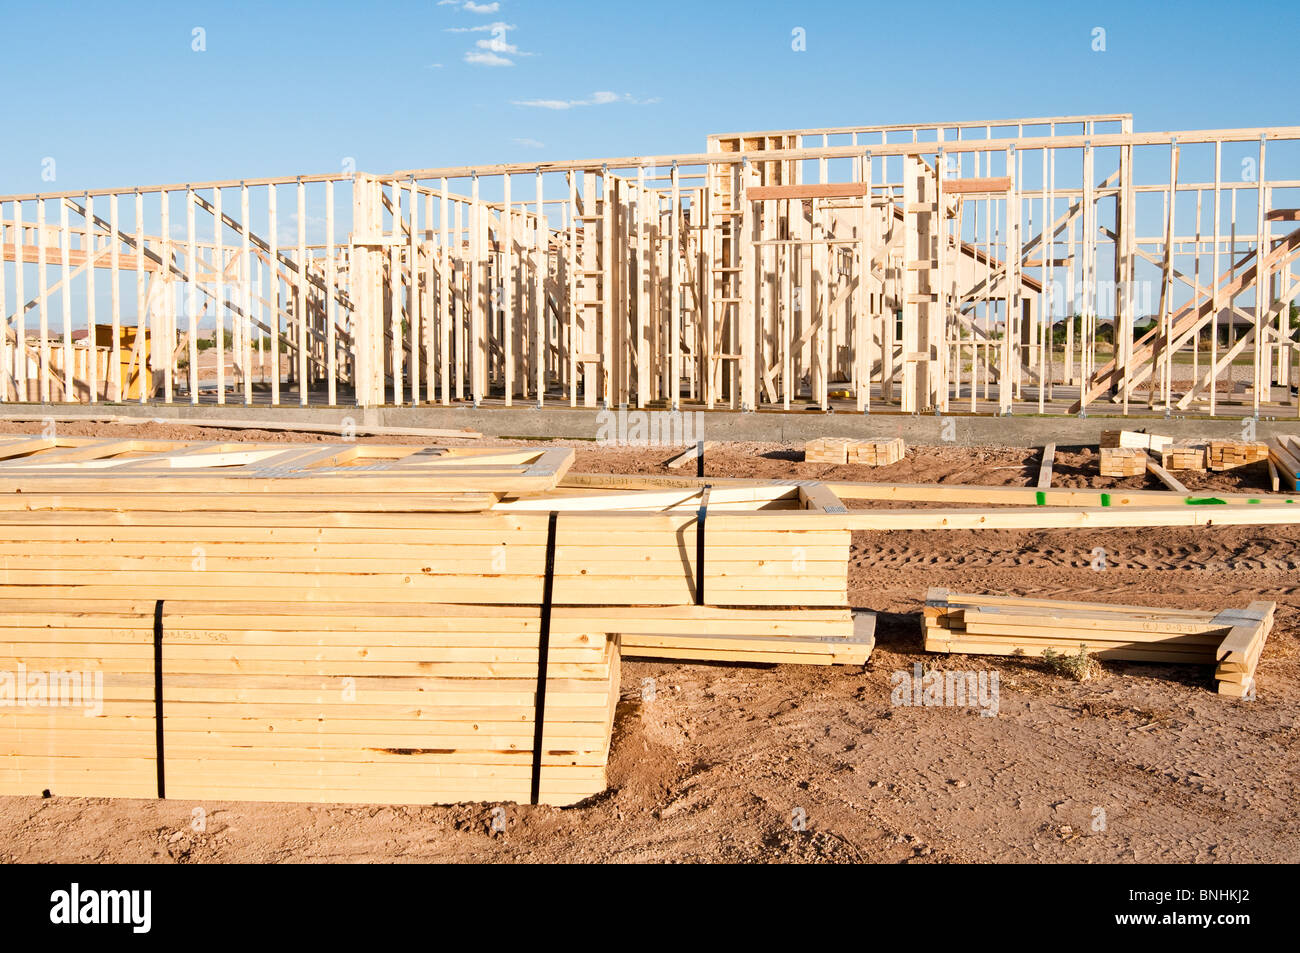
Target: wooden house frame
point(1045, 265)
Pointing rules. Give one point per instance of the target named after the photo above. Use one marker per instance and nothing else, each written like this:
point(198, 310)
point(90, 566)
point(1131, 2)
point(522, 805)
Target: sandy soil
point(723, 759)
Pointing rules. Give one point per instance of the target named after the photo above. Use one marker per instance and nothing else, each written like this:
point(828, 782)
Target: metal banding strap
point(158, 696)
point(543, 652)
point(699, 545)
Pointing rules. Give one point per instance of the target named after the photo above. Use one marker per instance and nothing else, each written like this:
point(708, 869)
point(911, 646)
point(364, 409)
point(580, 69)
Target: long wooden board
point(1231, 640)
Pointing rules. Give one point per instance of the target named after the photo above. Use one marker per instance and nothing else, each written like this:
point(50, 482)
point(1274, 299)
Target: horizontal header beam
point(833, 190)
point(910, 126)
point(1098, 141)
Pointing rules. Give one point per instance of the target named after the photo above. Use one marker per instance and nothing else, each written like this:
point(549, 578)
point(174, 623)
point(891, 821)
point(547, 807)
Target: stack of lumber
point(1007, 625)
point(126, 474)
point(827, 450)
point(1134, 440)
point(772, 636)
point(872, 453)
point(352, 623)
point(1284, 455)
point(1123, 462)
point(1239, 652)
point(302, 702)
point(347, 523)
point(1185, 455)
point(470, 558)
point(876, 453)
point(1230, 454)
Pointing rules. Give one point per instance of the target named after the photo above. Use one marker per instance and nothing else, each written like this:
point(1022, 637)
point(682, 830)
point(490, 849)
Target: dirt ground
point(1144, 763)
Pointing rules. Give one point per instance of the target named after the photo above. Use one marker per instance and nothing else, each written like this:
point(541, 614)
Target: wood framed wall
point(1059, 264)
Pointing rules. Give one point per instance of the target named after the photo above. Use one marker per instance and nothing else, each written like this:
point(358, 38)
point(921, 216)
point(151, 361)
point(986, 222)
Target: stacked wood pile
point(308, 702)
point(1185, 455)
point(232, 595)
point(872, 453)
point(876, 453)
point(1230, 640)
point(1135, 440)
point(1123, 462)
point(827, 450)
point(807, 636)
point(1238, 654)
point(466, 558)
point(1230, 454)
point(1284, 455)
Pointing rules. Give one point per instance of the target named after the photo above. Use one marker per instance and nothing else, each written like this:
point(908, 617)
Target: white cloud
point(530, 143)
point(487, 59)
point(491, 50)
point(598, 98)
point(434, 66)
point(497, 44)
point(498, 27)
point(473, 7)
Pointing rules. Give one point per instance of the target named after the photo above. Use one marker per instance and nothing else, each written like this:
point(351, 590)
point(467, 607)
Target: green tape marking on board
point(1040, 498)
point(1105, 499)
point(1205, 501)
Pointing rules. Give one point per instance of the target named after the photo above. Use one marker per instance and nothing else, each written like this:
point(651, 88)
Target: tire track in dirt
point(1256, 556)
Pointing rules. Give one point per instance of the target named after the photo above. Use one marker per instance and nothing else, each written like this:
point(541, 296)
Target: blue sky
point(117, 96)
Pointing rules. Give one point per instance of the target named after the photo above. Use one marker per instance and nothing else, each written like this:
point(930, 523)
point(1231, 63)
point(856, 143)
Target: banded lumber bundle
point(1185, 455)
point(615, 558)
point(1123, 462)
point(1134, 440)
point(299, 702)
point(1230, 640)
point(872, 453)
point(345, 623)
point(1230, 454)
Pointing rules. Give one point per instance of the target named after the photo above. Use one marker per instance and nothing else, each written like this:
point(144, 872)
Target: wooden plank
point(1165, 477)
point(691, 454)
point(1006, 625)
point(830, 190)
point(977, 186)
point(1045, 466)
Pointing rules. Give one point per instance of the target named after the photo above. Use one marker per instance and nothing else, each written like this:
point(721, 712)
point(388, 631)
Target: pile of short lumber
point(876, 453)
point(361, 623)
point(1185, 455)
point(1123, 462)
point(1230, 640)
point(872, 453)
point(1230, 454)
point(827, 450)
